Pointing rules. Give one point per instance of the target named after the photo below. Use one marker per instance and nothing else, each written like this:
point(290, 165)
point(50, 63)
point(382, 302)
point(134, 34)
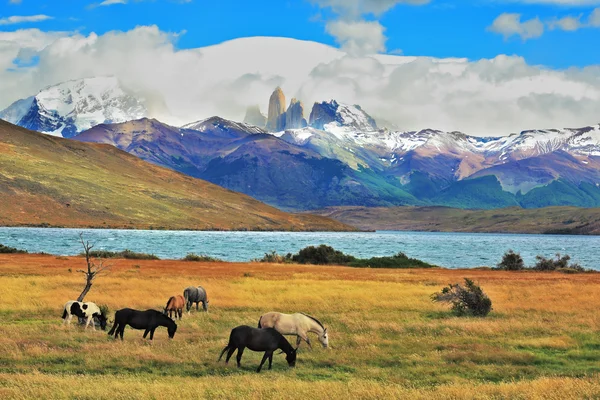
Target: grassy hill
point(49, 181)
point(565, 220)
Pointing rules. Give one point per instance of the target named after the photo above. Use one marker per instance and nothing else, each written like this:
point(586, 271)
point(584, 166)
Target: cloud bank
point(485, 97)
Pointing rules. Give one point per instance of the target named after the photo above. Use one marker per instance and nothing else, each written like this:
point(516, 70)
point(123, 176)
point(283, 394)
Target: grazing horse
point(298, 324)
point(148, 320)
point(174, 304)
point(267, 340)
point(86, 311)
point(195, 295)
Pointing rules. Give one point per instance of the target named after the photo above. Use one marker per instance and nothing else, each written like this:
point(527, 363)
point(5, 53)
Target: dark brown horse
point(267, 340)
point(175, 304)
point(147, 320)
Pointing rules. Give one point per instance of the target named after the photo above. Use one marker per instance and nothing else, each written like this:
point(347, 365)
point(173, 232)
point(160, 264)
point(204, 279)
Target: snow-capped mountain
point(71, 107)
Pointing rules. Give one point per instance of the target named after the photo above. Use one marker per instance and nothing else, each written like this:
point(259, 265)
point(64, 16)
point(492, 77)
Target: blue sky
point(439, 28)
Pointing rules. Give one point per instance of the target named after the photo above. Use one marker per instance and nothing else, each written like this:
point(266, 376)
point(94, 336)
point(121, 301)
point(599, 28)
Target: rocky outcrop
point(276, 116)
point(294, 116)
point(255, 117)
point(323, 113)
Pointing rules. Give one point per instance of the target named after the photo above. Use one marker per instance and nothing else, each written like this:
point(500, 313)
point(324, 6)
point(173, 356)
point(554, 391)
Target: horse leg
point(121, 330)
point(146, 333)
point(152, 333)
point(298, 339)
point(270, 360)
point(229, 354)
point(263, 360)
point(197, 305)
point(239, 356)
point(180, 313)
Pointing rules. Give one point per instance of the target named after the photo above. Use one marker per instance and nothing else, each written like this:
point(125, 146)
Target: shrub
point(511, 261)
point(561, 263)
point(400, 260)
point(128, 254)
point(465, 300)
point(200, 258)
point(322, 255)
point(275, 258)
point(10, 250)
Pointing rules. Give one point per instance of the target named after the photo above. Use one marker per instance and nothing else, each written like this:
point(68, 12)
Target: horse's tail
point(64, 313)
point(223, 352)
point(186, 295)
point(259, 324)
point(112, 330)
point(168, 301)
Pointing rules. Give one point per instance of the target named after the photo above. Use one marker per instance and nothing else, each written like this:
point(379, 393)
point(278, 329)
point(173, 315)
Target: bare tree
point(93, 269)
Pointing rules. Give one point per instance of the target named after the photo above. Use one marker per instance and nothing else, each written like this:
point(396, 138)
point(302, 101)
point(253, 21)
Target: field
point(388, 340)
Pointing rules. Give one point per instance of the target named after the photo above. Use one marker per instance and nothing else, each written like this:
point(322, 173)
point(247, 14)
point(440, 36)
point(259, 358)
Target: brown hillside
point(50, 181)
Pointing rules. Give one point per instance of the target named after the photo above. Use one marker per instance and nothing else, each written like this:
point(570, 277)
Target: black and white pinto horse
point(87, 311)
point(148, 320)
point(195, 295)
point(267, 340)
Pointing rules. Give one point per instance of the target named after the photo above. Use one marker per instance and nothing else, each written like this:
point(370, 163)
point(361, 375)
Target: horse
point(195, 295)
point(267, 340)
point(86, 311)
point(148, 320)
point(298, 324)
point(174, 304)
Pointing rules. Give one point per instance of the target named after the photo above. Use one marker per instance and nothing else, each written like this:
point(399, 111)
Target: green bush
point(465, 300)
point(322, 255)
point(511, 261)
point(200, 258)
point(10, 250)
point(128, 254)
point(561, 263)
point(399, 260)
point(275, 258)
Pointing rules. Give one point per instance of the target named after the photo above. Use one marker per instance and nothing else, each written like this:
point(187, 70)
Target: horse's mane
point(314, 319)
point(168, 301)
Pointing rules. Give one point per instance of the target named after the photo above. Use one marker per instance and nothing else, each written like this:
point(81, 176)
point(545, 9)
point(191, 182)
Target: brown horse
point(175, 304)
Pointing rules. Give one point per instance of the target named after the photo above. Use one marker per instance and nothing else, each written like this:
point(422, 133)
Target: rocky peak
point(255, 117)
point(275, 121)
point(294, 116)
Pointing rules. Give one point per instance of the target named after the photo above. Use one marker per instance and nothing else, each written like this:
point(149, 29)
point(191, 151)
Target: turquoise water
point(451, 250)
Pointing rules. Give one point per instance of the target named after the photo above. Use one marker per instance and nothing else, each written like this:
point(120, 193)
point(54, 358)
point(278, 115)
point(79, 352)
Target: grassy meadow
point(388, 340)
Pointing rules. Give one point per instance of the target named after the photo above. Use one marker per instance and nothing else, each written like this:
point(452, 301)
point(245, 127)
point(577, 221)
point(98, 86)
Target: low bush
point(322, 255)
point(128, 254)
point(275, 258)
point(465, 300)
point(200, 258)
point(399, 260)
point(10, 250)
point(561, 263)
point(511, 261)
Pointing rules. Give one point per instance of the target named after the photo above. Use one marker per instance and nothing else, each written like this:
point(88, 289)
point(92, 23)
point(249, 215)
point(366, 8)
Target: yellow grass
point(388, 339)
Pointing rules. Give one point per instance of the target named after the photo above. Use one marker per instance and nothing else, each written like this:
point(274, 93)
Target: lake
point(450, 250)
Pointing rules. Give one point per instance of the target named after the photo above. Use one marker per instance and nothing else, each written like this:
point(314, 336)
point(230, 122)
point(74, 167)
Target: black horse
point(267, 340)
point(148, 320)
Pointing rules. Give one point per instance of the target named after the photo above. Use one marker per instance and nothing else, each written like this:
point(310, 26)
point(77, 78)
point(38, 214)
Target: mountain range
point(335, 155)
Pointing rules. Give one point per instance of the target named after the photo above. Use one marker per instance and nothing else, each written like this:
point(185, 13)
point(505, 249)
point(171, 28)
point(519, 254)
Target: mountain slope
point(71, 107)
point(46, 180)
point(557, 220)
point(244, 158)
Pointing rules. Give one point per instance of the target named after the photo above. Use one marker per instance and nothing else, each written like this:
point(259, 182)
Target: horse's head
point(172, 329)
point(102, 319)
point(324, 338)
point(205, 305)
point(291, 358)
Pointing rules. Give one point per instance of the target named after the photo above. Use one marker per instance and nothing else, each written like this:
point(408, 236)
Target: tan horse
point(298, 324)
point(175, 304)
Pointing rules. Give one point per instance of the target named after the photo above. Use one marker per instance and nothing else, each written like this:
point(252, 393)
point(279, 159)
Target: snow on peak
point(70, 107)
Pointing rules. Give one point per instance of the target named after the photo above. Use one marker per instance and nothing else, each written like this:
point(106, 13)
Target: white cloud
point(508, 25)
point(16, 19)
point(357, 8)
point(594, 19)
point(358, 37)
point(111, 2)
point(15, 1)
point(490, 96)
point(568, 23)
